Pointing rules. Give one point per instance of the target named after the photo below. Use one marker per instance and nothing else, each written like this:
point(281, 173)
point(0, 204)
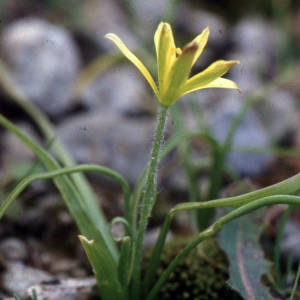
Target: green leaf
point(81, 213)
point(95, 212)
point(240, 240)
point(105, 271)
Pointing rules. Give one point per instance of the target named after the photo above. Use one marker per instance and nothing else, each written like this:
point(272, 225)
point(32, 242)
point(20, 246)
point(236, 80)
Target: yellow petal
point(214, 71)
point(176, 78)
point(201, 39)
point(165, 51)
point(133, 59)
point(222, 83)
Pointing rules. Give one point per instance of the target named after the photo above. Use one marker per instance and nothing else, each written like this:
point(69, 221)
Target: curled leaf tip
point(84, 239)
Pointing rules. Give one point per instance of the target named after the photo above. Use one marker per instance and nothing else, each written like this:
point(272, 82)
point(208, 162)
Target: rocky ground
point(46, 47)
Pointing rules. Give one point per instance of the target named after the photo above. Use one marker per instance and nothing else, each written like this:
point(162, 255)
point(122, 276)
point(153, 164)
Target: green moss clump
point(198, 276)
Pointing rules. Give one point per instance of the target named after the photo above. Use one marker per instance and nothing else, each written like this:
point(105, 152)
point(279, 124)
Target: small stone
point(117, 142)
point(248, 73)
point(127, 96)
point(280, 114)
point(250, 134)
point(149, 15)
point(258, 40)
point(196, 20)
point(18, 277)
point(14, 150)
point(255, 35)
point(13, 249)
point(101, 17)
point(66, 289)
point(43, 61)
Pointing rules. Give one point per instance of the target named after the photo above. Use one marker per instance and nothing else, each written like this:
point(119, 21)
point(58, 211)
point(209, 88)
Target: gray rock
point(255, 35)
point(13, 249)
point(16, 158)
point(250, 134)
point(149, 15)
point(109, 139)
point(101, 17)
point(152, 11)
point(248, 73)
point(258, 41)
point(43, 61)
point(195, 20)
point(18, 278)
point(66, 289)
point(122, 90)
point(255, 42)
point(280, 114)
point(14, 151)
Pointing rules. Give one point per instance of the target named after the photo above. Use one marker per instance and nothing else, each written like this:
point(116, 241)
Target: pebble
point(121, 90)
point(101, 17)
point(253, 34)
point(43, 61)
point(13, 249)
point(149, 14)
point(18, 277)
point(280, 113)
point(14, 151)
point(117, 142)
point(258, 40)
point(194, 21)
point(16, 158)
point(248, 73)
point(250, 134)
point(66, 289)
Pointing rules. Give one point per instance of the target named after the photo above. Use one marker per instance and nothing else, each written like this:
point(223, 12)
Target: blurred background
point(56, 54)
point(104, 111)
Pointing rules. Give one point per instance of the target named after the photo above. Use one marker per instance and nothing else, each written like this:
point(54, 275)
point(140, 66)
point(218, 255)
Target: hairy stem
point(149, 198)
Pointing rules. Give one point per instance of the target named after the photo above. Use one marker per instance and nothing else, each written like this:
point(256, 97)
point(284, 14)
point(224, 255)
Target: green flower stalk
point(174, 68)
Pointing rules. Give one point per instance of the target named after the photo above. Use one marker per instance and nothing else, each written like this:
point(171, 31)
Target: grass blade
point(105, 271)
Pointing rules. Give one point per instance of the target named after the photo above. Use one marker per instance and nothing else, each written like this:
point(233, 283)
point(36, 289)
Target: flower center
point(176, 51)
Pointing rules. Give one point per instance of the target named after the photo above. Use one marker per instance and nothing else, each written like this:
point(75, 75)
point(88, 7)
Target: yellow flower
point(174, 66)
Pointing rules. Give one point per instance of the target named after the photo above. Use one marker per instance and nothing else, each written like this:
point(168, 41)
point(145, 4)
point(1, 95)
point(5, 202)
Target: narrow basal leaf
point(105, 271)
point(240, 240)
